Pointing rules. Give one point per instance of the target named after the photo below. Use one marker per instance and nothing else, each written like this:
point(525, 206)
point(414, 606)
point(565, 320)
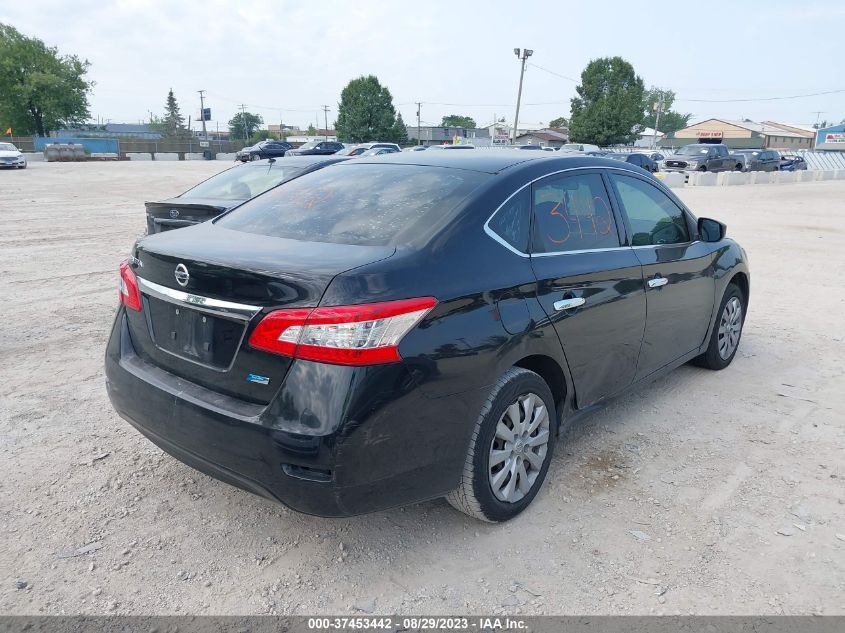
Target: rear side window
point(366, 204)
point(511, 222)
point(654, 218)
point(572, 213)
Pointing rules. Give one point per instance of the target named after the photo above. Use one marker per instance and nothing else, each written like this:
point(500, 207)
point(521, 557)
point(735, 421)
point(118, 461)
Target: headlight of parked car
point(692, 163)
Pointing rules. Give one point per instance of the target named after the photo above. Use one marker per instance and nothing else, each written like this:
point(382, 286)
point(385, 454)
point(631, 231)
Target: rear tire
point(727, 331)
point(510, 450)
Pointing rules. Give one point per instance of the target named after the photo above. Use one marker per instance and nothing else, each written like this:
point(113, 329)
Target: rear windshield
point(244, 182)
point(365, 204)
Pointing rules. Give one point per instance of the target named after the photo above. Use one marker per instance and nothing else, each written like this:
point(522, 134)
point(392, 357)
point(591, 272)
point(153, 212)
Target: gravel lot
point(706, 493)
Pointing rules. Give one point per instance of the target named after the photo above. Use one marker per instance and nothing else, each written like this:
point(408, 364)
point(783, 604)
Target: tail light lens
point(129, 294)
point(366, 334)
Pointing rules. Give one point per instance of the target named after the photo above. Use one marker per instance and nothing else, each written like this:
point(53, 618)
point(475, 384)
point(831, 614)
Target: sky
point(285, 59)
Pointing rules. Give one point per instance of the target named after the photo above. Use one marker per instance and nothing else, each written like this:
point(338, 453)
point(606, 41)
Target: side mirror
point(711, 230)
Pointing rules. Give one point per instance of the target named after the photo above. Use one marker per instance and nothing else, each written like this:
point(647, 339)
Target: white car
point(579, 147)
point(10, 156)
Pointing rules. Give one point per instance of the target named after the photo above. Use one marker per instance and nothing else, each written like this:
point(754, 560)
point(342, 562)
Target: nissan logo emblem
point(181, 274)
point(174, 213)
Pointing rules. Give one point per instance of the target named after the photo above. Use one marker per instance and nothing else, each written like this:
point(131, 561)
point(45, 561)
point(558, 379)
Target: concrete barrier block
point(783, 177)
point(674, 179)
point(824, 174)
point(224, 156)
point(759, 177)
point(33, 157)
point(805, 176)
point(193, 156)
point(839, 174)
point(166, 156)
point(139, 155)
point(702, 179)
point(730, 178)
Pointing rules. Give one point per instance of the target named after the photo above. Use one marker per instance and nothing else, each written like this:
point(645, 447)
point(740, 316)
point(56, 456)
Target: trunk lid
point(177, 213)
point(197, 326)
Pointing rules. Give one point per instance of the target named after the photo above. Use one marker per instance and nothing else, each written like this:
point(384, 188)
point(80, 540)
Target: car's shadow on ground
point(586, 453)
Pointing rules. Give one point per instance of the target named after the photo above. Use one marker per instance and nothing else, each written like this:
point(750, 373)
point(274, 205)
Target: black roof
point(488, 161)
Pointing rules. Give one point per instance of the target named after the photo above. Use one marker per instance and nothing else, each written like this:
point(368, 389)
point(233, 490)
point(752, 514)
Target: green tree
point(559, 122)
point(457, 120)
point(172, 123)
point(311, 131)
point(400, 131)
point(670, 121)
point(40, 90)
point(610, 104)
point(366, 111)
point(244, 124)
point(259, 135)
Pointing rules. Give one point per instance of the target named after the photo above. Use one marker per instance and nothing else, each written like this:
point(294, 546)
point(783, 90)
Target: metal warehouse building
point(742, 135)
point(831, 138)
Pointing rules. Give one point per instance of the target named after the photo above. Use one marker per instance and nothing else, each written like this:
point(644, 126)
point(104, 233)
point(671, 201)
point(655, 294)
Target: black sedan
point(228, 189)
point(640, 160)
point(405, 327)
point(317, 148)
point(264, 149)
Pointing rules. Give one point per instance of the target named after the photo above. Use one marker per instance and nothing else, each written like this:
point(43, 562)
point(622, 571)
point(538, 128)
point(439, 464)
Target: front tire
point(727, 331)
point(510, 450)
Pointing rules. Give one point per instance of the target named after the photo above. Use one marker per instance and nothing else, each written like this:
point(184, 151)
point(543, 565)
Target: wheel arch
point(740, 279)
point(551, 372)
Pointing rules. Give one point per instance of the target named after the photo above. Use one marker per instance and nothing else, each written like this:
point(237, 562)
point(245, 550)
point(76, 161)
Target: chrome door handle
point(656, 282)
point(568, 304)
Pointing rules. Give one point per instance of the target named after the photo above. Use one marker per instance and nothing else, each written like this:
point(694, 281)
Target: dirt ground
point(706, 492)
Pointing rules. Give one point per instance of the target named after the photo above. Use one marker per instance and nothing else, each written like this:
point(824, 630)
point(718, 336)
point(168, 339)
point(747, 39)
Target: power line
point(811, 94)
point(551, 72)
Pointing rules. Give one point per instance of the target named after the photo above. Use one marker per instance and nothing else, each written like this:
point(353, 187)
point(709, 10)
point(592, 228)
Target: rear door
point(589, 284)
point(677, 270)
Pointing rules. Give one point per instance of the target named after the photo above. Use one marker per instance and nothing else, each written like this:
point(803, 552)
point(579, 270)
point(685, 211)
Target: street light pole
point(419, 137)
point(659, 106)
point(326, 115)
point(523, 54)
point(202, 114)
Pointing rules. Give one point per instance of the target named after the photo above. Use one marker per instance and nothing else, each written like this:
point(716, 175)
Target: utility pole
point(818, 113)
point(243, 122)
point(523, 54)
point(326, 116)
point(659, 107)
point(419, 109)
point(202, 114)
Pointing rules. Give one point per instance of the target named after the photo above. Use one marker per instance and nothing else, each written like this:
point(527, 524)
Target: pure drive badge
point(261, 380)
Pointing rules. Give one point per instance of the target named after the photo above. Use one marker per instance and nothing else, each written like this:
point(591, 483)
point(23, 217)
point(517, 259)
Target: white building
point(649, 137)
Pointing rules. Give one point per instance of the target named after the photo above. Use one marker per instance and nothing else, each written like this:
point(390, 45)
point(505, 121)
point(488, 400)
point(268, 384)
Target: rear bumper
point(335, 441)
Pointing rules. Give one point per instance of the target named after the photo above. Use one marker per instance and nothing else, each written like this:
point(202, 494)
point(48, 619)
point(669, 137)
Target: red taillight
point(129, 295)
point(366, 334)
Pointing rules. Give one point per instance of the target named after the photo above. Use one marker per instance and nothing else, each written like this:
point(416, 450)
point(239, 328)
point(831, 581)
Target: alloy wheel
point(519, 448)
point(730, 327)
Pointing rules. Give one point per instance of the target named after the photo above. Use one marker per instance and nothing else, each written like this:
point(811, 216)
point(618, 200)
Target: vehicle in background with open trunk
point(227, 190)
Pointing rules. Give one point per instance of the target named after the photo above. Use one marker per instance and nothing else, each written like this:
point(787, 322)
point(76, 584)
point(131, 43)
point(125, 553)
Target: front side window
point(572, 213)
point(511, 221)
point(654, 218)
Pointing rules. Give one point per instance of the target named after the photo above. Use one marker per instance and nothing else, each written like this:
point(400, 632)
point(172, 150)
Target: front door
point(590, 286)
point(677, 271)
